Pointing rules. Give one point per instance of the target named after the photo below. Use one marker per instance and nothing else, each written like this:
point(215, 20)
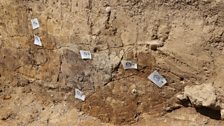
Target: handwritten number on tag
point(128, 64)
point(86, 53)
point(156, 78)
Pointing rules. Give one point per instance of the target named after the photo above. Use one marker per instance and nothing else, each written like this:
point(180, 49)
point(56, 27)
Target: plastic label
point(79, 95)
point(35, 23)
point(129, 65)
point(157, 79)
point(85, 54)
point(37, 40)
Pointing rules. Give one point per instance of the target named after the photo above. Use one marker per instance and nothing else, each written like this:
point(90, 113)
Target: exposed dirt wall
point(191, 52)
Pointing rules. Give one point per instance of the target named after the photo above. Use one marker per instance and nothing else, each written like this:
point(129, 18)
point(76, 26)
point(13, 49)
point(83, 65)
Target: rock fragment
point(181, 97)
point(172, 108)
point(205, 95)
point(201, 95)
point(222, 114)
point(7, 97)
point(108, 9)
point(155, 44)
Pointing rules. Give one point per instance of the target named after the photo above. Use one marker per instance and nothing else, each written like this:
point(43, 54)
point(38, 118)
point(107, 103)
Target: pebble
point(181, 97)
point(134, 91)
point(7, 97)
point(108, 9)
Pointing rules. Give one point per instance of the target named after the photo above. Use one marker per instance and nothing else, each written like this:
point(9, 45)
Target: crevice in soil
point(211, 113)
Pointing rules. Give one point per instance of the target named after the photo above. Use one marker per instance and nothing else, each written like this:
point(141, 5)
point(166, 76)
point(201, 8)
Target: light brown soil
point(37, 83)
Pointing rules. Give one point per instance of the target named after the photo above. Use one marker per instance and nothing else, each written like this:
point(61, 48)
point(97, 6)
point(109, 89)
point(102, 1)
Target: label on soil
point(85, 54)
point(79, 95)
point(156, 78)
point(37, 40)
point(129, 65)
point(35, 23)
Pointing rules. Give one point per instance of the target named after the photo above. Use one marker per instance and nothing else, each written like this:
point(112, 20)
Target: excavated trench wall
point(191, 32)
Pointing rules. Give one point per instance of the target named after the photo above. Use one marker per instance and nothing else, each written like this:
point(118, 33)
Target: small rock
point(7, 116)
point(155, 44)
point(7, 97)
point(108, 9)
point(134, 91)
point(173, 107)
point(51, 86)
point(222, 114)
point(205, 121)
point(181, 97)
point(81, 113)
point(154, 47)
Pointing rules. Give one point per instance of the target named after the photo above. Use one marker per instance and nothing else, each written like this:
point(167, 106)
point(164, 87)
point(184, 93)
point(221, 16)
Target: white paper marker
point(156, 78)
point(129, 65)
point(79, 95)
point(85, 54)
point(35, 23)
point(37, 40)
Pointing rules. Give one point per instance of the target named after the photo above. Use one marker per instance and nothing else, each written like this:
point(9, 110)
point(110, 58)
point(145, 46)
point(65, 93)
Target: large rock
point(201, 95)
point(204, 95)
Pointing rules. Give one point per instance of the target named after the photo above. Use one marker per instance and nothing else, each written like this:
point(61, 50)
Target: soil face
point(130, 94)
point(182, 40)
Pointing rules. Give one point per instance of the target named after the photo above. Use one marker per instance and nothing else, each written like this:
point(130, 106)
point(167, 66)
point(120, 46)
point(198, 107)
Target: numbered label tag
point(37, 40)
point(35, 23)
point(79, 95)
point(85, 54)
point(157, 79)
point(129, 65)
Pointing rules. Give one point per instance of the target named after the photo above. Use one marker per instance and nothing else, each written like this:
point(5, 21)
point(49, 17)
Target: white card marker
point(157, 79)
point(129, 65)
point(37, 40)
point(85, 54)
point(79, 95)
point(35, 23)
